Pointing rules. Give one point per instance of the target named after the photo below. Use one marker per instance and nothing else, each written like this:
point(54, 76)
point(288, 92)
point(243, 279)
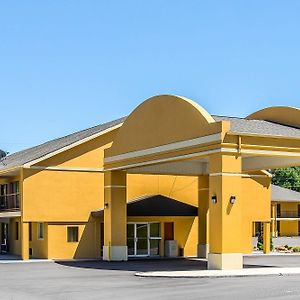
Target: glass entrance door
point(131, 239)
point(143, 239)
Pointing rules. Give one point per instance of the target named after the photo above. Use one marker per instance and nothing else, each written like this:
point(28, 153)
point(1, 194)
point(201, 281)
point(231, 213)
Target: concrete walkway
point(223, 273)
point(254, 265)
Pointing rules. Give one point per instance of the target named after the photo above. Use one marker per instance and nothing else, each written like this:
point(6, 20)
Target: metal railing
point(288, 214)
point(10, 202)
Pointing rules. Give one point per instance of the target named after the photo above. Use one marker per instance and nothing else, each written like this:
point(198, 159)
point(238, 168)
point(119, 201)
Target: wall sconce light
point(214, 199)
point(106, 205)
point(232, 199)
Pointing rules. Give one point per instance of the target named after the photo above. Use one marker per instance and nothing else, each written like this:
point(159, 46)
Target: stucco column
point(203, 205)
point(115, 216)
point(267, 237)
point(24, 240)
point(225, 212)
point(273, 220)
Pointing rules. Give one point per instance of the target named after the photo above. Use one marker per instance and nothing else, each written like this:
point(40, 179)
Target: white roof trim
point(275, 136)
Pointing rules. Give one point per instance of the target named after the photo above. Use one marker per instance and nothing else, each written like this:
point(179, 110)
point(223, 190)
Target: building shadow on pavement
point(140, 265)
point(148, 265)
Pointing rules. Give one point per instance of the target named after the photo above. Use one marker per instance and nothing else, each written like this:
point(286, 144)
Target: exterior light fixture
point(214, 199)
point(232, 199)
point(105, 205)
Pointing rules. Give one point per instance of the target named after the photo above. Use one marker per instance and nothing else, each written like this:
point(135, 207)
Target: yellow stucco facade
point(285, 216)
point(190, 158)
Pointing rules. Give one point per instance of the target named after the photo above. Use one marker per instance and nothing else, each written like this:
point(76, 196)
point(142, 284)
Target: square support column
point(24, 240)
point(267, 237)
point(225, 212)
point(115, 216)
point(203, 216)
point(273, 220)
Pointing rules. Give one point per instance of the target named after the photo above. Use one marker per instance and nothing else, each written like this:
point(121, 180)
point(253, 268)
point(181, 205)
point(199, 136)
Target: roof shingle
point(281, 194)
point(238, 125)
point(22, 157)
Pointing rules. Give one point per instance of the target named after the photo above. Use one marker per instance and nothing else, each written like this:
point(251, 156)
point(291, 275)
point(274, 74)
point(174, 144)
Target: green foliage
point(2, 153)
point(260, 242)
point(287, 177)
point(296, 249)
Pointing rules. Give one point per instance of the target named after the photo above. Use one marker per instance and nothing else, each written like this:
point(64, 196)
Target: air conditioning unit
point(171, 248)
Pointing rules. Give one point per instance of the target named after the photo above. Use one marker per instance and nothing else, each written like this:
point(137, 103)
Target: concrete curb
point(273, 254)
point(221, 273)
point(31, 261)
point(36, 260)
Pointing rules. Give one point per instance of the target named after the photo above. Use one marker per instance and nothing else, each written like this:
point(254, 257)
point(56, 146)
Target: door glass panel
point(130, 230)
point(142, 239)
point(130, 239)
point(141, 230)
point(130, 245)
point(154, 230)
point(142, 246)
point(154, 247)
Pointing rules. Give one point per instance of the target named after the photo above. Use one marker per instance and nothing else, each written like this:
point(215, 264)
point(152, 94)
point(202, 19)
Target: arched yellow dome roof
point(284, 115)
point(161, 120)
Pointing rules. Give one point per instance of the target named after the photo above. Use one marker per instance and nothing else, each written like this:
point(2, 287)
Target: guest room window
point(72, 234)
point(40, 231)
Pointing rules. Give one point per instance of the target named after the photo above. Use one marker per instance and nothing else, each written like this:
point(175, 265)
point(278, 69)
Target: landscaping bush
point(260, 242)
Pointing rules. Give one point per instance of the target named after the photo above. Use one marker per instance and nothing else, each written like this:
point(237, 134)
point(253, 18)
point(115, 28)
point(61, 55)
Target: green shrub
point(296, 249)
point(260, 242)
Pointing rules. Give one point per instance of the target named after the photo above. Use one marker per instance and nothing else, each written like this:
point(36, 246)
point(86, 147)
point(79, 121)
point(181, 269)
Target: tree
point(287, 177)
point(2, 153)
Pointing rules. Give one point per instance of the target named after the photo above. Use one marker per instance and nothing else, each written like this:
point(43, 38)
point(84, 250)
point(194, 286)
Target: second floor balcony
point(288, 214)
point(10, 202)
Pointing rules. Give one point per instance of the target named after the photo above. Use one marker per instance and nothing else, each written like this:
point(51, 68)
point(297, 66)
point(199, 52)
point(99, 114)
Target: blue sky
point(69, 65)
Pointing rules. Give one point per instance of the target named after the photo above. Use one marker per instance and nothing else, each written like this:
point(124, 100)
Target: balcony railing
point(10, 202)
point(288, 214)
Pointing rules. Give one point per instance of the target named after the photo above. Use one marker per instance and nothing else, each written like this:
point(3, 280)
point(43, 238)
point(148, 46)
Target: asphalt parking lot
point(101, 280)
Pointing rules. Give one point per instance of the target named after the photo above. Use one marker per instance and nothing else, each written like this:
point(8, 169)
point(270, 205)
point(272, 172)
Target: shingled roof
point(261, 127)
point(238, 125)
point(280, 194)
point(22, 157)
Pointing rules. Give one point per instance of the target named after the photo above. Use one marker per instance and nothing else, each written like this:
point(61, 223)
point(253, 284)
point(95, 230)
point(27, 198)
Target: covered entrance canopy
point(155, 205)
point(173, 135)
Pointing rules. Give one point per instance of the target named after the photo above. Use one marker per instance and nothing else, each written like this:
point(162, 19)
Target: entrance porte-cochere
point(173, 135)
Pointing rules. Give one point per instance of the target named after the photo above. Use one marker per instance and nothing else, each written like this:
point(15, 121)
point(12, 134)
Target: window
point(278, 210)
point(154, 239)
point(14, 187)
point(30, 231)
point(40, 231)
point(17, 231)
point(72, 234)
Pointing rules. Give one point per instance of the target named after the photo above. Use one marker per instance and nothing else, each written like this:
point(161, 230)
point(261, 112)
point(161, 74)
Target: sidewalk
point(222, 273)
